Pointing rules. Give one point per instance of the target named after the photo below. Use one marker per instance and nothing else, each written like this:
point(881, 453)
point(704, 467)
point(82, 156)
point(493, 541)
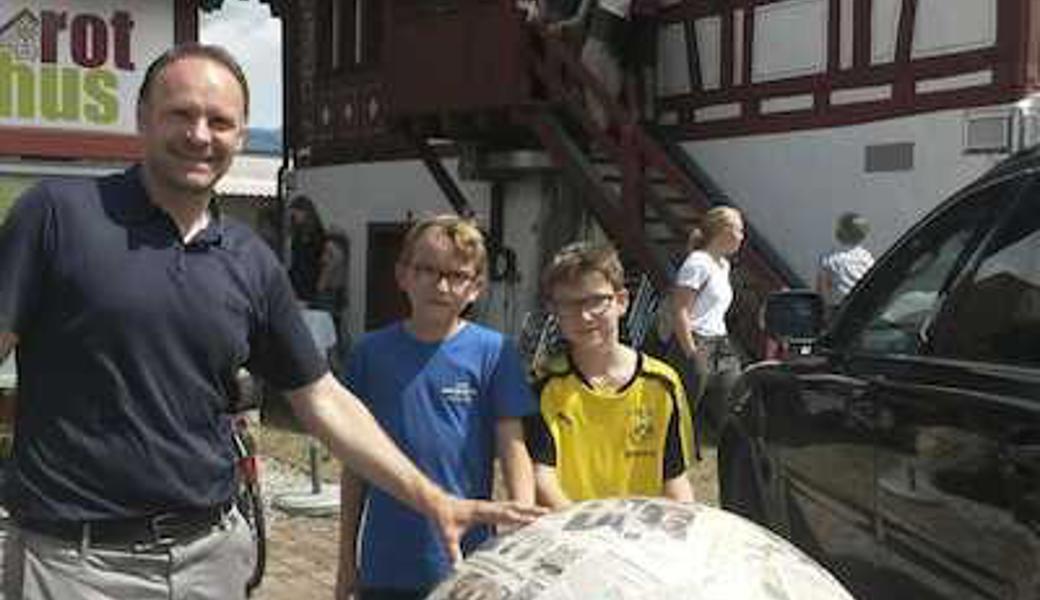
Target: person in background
point(604, 47)
point(449, 391)
point(331, 290)
point(133, 303)
point(553, 11)
point(620, 48)
point(640, 63)
point(841, 268)
point(700, 299)
point(613, 421)
point(306, 245)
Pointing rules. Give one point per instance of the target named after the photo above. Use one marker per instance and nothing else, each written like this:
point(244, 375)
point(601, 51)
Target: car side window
point(908, 290)
point(994, 315)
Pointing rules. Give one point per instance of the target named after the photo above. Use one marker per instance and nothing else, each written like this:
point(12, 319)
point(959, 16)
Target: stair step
point(612, 171)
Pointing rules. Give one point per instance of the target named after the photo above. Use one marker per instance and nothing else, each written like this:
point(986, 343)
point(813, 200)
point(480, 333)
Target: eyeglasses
point(427, 275)
point(594, 306)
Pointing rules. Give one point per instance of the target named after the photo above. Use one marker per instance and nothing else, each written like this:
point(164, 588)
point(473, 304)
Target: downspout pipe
point(282, 13)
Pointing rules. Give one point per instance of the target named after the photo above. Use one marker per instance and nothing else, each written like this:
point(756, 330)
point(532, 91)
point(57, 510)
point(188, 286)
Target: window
point(342, 41)
point(994, 314)
point(350, 34)
point(370, 32)
point(902, 298)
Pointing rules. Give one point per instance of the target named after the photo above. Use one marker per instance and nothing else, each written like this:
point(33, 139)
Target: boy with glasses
point(613, 421)
point(449, 392)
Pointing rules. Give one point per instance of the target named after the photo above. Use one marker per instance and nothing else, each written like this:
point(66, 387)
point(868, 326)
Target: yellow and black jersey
point(605, 443)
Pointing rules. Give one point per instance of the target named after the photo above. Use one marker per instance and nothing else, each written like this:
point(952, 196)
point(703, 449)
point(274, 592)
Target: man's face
point(192, 124)
point(438, 280)
point(588, 310)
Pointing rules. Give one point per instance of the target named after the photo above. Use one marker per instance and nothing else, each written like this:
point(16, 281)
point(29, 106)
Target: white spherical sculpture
point(640, 549)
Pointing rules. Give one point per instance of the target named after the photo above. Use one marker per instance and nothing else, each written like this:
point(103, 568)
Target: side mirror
point(794, 315)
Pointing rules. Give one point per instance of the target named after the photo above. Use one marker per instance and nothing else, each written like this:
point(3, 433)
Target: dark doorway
point(384, 302)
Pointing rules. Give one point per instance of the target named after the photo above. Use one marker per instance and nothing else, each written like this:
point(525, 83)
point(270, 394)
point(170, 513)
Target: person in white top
point(700, 298)
point(843, 267)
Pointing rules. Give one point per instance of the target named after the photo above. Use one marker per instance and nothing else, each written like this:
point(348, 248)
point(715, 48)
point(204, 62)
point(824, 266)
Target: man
point(133, 303)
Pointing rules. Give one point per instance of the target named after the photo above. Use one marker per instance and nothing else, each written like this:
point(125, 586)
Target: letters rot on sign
point(90, 38)
point(77, 65)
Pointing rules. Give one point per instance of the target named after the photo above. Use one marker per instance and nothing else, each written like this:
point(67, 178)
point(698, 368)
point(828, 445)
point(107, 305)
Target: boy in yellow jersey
point(612, 421)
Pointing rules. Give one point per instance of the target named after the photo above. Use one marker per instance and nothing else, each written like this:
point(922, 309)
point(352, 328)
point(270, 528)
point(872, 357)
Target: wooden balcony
point(453, 56)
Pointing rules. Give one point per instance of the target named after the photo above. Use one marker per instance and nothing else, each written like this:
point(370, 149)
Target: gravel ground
point(301, 550)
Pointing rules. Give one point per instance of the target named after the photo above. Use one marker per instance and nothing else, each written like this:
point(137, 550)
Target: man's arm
point(8, 341)
point(548, 486)
point(352, 495)
point(340, 420)
point(517, 469)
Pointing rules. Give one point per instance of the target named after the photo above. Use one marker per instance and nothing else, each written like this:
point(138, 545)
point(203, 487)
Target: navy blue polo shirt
point(129, 342)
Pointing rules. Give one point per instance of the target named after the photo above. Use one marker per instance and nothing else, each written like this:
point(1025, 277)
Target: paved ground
point(302, 559)
point(301, 551)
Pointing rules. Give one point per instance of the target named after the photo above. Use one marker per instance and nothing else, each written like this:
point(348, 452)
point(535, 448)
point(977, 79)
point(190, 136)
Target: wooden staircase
point(645, 191)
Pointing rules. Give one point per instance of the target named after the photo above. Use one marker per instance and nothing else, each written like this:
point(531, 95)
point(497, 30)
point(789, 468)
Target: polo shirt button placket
point(181, 266)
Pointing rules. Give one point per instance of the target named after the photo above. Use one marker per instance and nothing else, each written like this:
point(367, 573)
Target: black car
point(901, 446)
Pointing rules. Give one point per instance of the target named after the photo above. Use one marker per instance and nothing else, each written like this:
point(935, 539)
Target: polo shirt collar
point(213, 234)
point(136, 207)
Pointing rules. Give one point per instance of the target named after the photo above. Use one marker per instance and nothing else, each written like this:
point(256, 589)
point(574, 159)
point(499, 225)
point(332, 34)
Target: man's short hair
point(463, 233)
point(580, 258)
point(851, 229)
point(214, 53)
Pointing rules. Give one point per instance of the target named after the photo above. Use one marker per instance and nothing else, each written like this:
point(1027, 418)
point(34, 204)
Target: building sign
point(78, 64)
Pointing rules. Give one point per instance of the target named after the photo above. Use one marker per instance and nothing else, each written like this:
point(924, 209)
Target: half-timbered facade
point(794, 110)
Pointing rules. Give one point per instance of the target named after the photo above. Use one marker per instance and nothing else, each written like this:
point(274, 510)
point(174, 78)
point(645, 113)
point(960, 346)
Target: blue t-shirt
point(439, 401)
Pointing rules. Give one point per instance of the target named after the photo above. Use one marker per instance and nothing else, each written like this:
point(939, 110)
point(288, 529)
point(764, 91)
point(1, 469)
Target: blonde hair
point(710, 225)
point(463, 233)
point(577, 259)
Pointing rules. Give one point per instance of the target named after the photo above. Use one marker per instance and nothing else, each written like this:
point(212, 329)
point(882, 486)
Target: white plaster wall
point(504, 304)
point(777, 53)
point(353, 196)
point(793, 186)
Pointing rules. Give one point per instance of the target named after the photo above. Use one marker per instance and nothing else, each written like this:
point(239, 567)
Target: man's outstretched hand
point(454, 516)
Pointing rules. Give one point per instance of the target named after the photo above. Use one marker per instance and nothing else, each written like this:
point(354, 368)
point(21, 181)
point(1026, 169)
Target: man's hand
point(454, 516)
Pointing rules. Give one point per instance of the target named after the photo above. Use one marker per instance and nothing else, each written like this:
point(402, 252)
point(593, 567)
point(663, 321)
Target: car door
point(833, 470)
point(820, 429)
point(958, 462)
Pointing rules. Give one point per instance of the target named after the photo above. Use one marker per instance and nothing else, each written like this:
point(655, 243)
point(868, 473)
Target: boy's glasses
point(593, 306)
point(427, 275)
